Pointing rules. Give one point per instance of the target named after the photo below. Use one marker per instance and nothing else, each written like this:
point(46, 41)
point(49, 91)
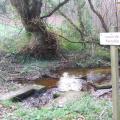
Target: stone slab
point(22, 93)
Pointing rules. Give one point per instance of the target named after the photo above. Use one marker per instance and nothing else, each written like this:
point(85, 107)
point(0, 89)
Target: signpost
point(113, 39)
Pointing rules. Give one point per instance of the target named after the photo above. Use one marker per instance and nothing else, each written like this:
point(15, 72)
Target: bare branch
point(71, 22)
point(116, 14)
point(99, 16)
point(55, 9)
point(79, 14)
point(90, 42)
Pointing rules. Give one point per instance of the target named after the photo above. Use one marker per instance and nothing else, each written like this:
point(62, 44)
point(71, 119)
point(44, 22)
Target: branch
point(70, 40)
point(55, 9)
point(74, 25)
point(99, 16)
point(116, 14)
point(79, 14)
point(90, 42)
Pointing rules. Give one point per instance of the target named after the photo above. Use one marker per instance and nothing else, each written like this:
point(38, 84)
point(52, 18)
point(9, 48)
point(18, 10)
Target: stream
point(90, 74)
point(70, 79)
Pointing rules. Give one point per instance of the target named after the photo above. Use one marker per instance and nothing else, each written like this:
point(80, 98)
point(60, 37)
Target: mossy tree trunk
point(45, 45)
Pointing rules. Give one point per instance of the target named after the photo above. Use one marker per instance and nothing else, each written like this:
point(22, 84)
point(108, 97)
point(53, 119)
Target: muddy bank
point(18, 67)
point(71, 82)
point(47, 73)
point(28, 70)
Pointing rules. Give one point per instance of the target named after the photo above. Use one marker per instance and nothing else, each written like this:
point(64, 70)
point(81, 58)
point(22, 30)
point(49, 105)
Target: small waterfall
point(69, 82)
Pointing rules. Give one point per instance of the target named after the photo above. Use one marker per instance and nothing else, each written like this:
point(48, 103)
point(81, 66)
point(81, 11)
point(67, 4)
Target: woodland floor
point(13, 70)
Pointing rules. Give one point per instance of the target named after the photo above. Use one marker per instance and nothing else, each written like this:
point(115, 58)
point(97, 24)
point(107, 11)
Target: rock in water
point(65, 98)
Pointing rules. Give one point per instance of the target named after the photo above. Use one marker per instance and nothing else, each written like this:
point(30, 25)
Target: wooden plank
point(115, 83)
point(22, 93)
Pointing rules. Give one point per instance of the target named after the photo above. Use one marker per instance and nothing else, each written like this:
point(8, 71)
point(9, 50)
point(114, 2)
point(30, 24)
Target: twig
point(99, 16)
point(76, 42)
point(55, 9)
point(100, 116)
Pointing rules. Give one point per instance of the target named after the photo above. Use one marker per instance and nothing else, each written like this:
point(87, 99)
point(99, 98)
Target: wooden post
point(115, 81)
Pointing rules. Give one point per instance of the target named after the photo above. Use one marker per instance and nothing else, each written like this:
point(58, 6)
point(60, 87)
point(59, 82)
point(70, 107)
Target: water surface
point(92, 74)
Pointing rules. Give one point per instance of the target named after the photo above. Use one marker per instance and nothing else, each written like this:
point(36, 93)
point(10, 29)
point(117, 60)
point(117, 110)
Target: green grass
point(89, 107)
point(103, 54)
point(37, 65)
point(7, 103)
point(12, 40)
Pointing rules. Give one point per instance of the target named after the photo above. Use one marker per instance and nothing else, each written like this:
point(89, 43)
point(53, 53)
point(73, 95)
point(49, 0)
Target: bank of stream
point(56, 76)
point(93, 74)
point(69, 80)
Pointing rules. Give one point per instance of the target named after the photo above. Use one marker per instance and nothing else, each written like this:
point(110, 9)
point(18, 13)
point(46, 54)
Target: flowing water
point(68, 77)
point(69, 80)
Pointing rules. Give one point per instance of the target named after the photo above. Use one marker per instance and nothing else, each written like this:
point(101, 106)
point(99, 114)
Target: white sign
point(112, 38)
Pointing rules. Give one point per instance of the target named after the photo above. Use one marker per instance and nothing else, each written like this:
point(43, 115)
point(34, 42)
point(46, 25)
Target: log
point(100, 86)
point(106, 86)
point(22, 93)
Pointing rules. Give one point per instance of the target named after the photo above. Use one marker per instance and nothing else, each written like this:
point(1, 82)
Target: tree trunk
point(45, 44)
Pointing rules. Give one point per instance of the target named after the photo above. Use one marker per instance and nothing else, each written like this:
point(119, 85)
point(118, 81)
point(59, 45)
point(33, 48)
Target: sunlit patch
point(69, 82)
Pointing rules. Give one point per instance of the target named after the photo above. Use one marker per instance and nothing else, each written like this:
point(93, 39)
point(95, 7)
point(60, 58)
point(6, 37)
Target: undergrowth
point(14, 39)
point(88, 107)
